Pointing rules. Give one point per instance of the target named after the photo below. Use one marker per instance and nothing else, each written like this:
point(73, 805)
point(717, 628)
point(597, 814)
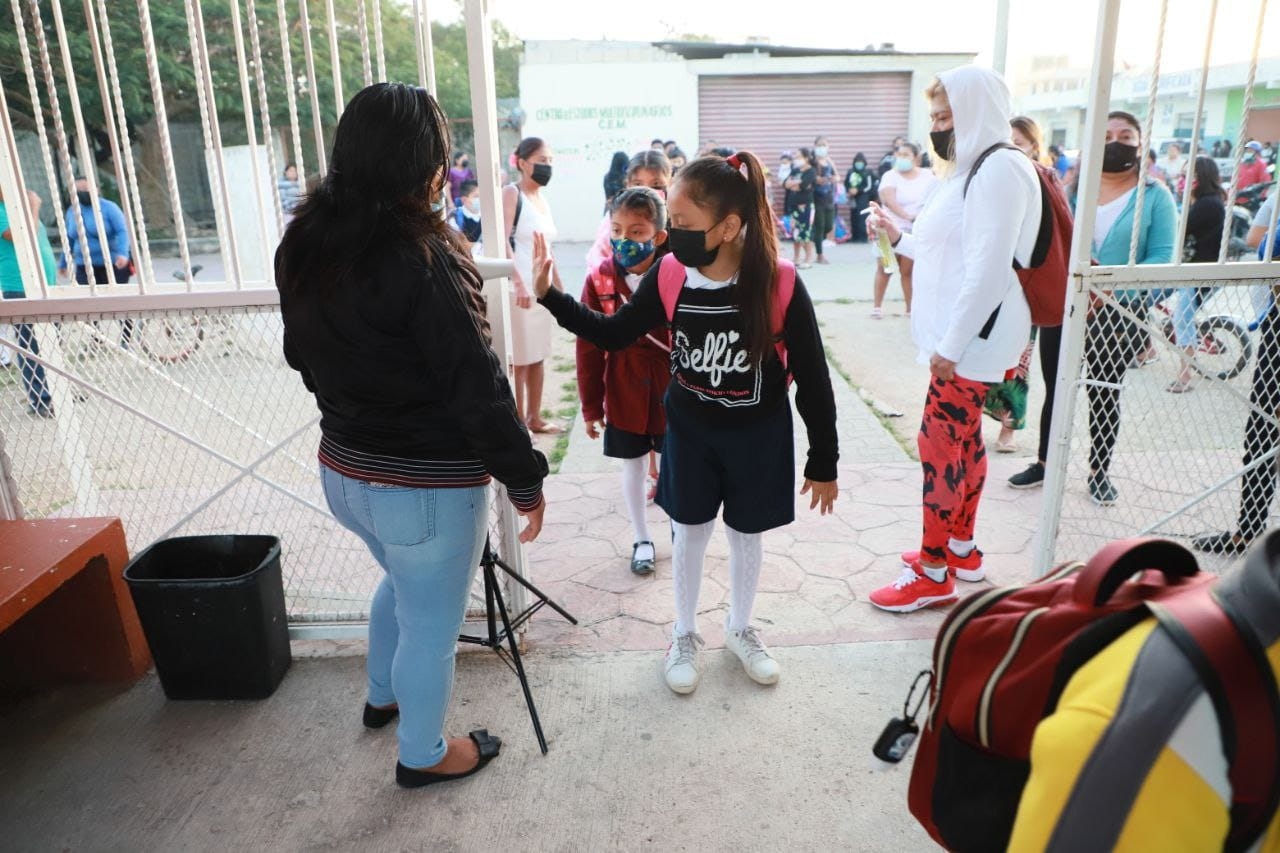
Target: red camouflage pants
point(954, 461)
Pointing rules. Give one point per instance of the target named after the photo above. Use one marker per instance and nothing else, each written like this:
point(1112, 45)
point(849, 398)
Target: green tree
point(175, 58)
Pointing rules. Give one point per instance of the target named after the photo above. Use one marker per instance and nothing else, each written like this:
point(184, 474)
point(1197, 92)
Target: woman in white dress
point(530, 322)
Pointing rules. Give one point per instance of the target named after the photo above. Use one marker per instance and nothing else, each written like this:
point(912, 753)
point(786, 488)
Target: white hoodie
point(964, 246)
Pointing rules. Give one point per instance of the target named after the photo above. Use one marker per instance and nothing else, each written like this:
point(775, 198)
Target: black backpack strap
point(515, 220)
point(982, 158)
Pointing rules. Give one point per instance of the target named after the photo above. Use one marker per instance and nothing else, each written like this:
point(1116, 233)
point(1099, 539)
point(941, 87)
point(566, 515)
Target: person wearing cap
point(1253, 169)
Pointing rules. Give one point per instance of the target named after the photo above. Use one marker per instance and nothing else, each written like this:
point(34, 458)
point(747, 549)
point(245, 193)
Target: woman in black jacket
point(384, 319)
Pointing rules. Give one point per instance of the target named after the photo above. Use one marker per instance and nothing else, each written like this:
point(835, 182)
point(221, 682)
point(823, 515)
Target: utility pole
point(1000, 52)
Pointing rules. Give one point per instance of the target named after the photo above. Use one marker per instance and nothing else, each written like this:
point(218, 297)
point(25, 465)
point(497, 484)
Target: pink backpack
point(671, 279)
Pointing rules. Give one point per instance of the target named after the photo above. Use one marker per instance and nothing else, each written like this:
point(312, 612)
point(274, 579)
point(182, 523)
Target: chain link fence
point(181, 423)
point(1172, 380)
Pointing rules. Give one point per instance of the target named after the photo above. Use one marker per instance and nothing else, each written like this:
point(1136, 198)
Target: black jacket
point(401, 366)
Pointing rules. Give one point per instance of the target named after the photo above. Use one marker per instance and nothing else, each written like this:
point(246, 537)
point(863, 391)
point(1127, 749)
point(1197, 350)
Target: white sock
point(746, 553)
point(938, 575)
point(688, 549)
point(633, 497)
point(960, 547)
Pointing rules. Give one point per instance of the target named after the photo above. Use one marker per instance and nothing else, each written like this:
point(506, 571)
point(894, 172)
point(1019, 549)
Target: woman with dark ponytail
point(742, 325)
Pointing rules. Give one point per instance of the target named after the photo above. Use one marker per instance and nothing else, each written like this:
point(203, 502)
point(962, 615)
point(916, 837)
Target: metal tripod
point(496, 608)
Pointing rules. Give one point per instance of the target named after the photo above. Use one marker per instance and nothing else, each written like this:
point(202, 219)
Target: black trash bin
point(212, 609)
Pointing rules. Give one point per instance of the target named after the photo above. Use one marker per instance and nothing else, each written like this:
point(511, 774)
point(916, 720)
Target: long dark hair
point(618, 165)
point(1208, 180)
point(652, 160)
point(715, 184)
point(390, 150)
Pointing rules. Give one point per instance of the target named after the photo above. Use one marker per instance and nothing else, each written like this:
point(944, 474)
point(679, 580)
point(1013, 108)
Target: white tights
point(746, 553)
point(634, 497)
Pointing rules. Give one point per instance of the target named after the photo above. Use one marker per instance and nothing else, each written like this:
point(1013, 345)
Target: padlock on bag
point(897, 738)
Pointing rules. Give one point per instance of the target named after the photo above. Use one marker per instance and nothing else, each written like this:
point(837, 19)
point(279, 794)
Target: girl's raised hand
point(822, 496)
point(544, 271)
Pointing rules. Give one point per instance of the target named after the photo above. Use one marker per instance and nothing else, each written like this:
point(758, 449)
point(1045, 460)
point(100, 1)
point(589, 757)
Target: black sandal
point(487, 745)
point(376, 718)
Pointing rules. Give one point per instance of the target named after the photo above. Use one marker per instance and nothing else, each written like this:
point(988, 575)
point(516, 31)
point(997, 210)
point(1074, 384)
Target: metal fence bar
point(33, 91)
point(312, 84)
point(166, 143)
point(117, 158)
point(212, 142)
point(290, 91)
point(335, 58)
point(268, 139)
point(120, 140)
point(426, 49)
point(251, 134)
point(1073, 324)
point(380, 49)
point(362, 25)
point(1152, 94)
point(1248, 105)
point(1196, 127)
point(60, 135)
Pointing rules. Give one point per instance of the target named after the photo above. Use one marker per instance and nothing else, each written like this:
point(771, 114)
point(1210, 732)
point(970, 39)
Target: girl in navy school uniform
point(622, 391)
point(729, 436)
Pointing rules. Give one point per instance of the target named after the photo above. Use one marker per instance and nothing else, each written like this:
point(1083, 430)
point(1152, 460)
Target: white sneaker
point(755, 657)
point(681, 663)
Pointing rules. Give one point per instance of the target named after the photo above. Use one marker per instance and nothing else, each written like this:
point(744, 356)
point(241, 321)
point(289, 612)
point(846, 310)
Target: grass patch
point(844, 300)
point(566, 412)
point(563, 365)
point(557, 454)
point(908, 447)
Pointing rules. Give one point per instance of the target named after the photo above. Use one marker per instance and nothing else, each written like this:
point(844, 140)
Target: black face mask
point(690, 247)
point(83, 196)
point(942, 142)
point(541, 174)
point(1118, 157)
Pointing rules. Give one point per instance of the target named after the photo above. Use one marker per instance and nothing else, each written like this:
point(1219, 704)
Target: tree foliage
point(175, 60)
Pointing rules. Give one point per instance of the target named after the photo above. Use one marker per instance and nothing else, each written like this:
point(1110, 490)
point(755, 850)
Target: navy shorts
point(620, 444)
point(750, 469)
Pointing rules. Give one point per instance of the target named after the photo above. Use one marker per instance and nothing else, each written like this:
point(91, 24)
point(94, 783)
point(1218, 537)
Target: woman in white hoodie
point(969, 317)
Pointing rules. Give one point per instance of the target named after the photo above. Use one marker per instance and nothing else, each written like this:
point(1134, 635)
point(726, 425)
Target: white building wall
point(590, 99)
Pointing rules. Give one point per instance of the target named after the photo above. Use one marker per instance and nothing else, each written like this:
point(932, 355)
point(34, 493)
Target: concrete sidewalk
point(632, 766)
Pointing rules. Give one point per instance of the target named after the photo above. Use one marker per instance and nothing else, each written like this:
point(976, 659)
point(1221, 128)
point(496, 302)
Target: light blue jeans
point(429, 542)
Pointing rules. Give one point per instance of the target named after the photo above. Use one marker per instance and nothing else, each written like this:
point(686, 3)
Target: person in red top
point(1253, 169)
point(621, 391)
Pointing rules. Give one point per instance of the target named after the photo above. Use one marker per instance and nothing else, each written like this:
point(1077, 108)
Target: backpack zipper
point(969, 609)
point(984, 705)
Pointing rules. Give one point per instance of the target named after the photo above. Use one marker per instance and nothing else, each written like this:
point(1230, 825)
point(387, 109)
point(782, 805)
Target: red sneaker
point(914, 590)
point(967, 568)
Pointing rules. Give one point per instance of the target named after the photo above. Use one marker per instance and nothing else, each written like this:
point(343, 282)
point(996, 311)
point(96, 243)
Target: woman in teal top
point(1115, 334)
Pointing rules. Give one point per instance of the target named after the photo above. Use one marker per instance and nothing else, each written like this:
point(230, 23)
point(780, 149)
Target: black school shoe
point(487, 745)
point(643, 567)
point(1031, 478)
point(376, 718)
point(1226, 542)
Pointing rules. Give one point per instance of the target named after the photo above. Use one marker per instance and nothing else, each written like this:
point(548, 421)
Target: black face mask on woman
point(690, 247)
point(1119, 157)
point(942, 142)
point(541, 174)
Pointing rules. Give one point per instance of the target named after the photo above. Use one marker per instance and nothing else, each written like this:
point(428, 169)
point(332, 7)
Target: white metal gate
point(1170, 450)
point(166, 400)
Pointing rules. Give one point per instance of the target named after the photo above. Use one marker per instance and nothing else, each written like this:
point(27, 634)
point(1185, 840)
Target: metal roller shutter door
point(767, 114)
